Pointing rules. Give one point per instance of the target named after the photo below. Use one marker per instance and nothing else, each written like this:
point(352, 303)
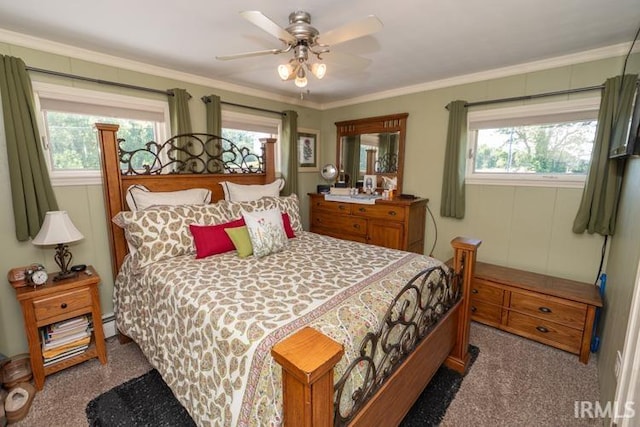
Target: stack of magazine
point(65, 339)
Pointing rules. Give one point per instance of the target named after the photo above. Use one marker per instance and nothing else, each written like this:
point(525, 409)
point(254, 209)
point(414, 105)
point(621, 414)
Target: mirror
point(372, 146)
point(329, 172)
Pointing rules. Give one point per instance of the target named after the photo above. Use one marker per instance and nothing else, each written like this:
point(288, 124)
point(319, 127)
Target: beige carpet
point(514, 382)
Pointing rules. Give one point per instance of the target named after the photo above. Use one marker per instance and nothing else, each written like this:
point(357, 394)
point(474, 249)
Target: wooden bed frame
point(308, 356)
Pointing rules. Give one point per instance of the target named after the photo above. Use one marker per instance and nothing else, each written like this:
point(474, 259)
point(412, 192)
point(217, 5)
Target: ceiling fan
point(304, 39)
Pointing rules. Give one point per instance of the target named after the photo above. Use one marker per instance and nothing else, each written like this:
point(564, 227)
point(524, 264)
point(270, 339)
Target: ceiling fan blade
point(266, 24)
point(350, 31)
point(249, 54)
point(345, 60)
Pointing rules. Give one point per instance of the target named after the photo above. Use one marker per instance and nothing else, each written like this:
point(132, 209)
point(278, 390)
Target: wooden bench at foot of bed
point(308, 358)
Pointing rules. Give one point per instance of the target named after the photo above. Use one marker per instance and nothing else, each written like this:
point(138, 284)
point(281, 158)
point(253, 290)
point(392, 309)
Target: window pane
point(246, 140)
point(558, 148)
point(73, 139)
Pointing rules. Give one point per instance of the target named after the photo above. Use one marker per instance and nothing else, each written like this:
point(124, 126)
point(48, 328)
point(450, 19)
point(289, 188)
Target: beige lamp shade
point(57, 228)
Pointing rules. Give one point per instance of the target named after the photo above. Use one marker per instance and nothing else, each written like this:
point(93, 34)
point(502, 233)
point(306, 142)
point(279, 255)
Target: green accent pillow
point(241, 240)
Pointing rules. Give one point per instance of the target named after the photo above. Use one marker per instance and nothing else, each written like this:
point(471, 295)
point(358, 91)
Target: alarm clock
point(36, 275)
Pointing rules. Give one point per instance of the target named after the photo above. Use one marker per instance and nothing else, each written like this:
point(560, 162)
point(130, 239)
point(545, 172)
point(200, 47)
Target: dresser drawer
point(339, 223)
point(330, 206)
point(60, 304)
point(560, 336)
point(568, 313)
point(388, 212)
point(481, 290)
point(484, 312)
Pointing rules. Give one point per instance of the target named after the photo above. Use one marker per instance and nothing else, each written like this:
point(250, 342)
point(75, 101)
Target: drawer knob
point(356, 226)
point(473, 309)
point(542, 329)
point(545, 309)
point(63, 305)
point(474, 291)
point(362, 210)
point(342, 207)
point(392, 213)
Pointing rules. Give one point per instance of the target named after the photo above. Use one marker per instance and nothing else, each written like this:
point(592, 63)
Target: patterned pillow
point(266, 231)
point(162, 232)
point(288, 204)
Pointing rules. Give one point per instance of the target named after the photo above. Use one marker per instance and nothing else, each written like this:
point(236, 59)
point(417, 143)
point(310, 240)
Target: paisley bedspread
point(208, 324)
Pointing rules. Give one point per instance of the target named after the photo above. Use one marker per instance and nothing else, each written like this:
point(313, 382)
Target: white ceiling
point(422, 40)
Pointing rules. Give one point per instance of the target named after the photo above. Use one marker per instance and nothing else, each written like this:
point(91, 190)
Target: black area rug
point(432, 404)
point(143, 401)
point(148, 401)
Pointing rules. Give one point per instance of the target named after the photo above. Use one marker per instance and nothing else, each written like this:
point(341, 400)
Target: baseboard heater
point(109, 325)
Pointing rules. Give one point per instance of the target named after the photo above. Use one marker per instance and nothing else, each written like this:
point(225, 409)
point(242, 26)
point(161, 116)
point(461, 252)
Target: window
point(70, 138)
point(246, 130)
point(543, 144)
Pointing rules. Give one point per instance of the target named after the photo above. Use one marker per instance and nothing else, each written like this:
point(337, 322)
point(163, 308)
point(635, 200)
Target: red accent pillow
point(212, 239)
point(287, 225)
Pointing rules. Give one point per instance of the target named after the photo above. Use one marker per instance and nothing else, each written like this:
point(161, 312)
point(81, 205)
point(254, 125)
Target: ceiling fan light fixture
point(301, 81)
point(285, 71)
point(318, 69)
point(301, 77)
point(304, 41)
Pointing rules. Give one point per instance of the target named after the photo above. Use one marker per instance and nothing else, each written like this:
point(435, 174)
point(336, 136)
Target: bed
point(323, 332)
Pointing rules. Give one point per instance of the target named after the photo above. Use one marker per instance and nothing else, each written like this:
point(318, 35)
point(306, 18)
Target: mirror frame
point(378, 124)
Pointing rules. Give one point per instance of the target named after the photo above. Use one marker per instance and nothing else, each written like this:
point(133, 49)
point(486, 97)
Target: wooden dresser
point(557, 312)
point(396, 224)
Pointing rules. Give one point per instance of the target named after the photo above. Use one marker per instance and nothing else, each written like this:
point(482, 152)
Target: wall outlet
point(618, 363)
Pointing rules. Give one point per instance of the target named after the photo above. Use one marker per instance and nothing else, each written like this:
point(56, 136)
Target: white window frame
point(244, 121)
point(107, 99)
point(534, 180)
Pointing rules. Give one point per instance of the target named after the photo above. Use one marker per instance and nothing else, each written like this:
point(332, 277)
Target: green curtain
point(181, 123)
point(352, 159)
point(214, 115)
point(289, 146)
point(452, 198)
point(179, 111)
point(599, 204)
point(31, 190)
point(214, 127)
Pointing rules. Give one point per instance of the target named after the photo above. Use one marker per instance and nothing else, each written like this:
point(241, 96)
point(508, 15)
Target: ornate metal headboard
point(184, 161)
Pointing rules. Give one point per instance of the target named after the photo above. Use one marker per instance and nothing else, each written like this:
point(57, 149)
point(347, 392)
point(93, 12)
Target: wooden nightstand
point(57, 301)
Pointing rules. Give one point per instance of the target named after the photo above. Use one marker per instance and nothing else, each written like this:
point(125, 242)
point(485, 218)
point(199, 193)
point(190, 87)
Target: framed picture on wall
point(308, 150)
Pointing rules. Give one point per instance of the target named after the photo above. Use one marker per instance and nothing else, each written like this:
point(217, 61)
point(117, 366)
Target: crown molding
point(49, 46)
point(45, 45)
point(545, 64)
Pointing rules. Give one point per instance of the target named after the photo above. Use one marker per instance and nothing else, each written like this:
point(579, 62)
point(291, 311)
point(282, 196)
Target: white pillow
point(140, 197)
point(266, 231)
point(246, 193)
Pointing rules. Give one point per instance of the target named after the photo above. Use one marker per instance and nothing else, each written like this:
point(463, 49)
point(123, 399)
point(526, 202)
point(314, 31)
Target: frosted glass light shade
point(301, 81)
point(57, 228)
point(318, 70)
point(285, 71)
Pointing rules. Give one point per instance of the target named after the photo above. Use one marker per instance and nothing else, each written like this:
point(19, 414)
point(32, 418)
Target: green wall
point(622, 266)
point(523, 227)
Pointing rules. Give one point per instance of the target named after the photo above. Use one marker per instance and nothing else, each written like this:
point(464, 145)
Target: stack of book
point(65, 339)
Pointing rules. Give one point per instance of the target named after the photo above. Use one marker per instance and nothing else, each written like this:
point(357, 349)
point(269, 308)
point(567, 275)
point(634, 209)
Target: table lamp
point(58, 230)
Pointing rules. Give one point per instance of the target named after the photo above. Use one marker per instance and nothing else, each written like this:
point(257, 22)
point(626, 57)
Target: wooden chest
point(557, 312)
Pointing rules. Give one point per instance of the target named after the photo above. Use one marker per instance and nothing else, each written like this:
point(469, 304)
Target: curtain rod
point(99, 81)
point(534, 96)
point(141, 88)
point(206, 100)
